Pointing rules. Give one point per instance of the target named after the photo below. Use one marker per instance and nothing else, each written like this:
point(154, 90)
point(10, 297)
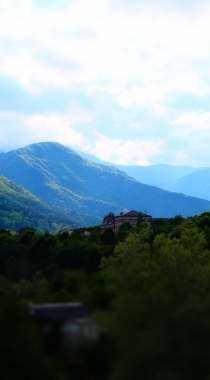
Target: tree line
point(149, 286)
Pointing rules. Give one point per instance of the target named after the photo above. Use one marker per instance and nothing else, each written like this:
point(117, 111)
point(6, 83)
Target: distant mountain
point(61, 177)
point(196, 184)
point(19, 208)
point(151, 174)
point(157, 174)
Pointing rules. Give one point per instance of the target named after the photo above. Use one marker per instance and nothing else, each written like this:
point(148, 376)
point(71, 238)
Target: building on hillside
point(22, 231)
point(83, 231)
point(65, 230)
point(11, 231)
point(108, 223)
point(129, 217)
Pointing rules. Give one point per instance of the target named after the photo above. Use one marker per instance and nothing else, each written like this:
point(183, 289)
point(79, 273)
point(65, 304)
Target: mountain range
point(180, 179)
point(157, 174)
point(61, 177)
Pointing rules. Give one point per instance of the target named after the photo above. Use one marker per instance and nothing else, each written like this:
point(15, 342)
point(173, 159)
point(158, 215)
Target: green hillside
point(19, 208)
point(61, 177)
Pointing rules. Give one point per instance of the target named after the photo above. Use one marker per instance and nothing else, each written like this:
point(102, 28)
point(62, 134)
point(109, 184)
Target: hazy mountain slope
point(196, 184)
point(18, 208)
point(157, 174)
point(150, 175)
point(93, 158)
point(61, 177)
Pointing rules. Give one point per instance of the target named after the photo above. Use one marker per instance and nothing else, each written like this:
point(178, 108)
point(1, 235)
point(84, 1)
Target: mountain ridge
point(61, 177)
point(194, 184)
point(154, 174)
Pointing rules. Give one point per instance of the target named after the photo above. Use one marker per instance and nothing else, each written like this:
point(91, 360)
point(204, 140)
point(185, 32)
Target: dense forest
point(148, 287)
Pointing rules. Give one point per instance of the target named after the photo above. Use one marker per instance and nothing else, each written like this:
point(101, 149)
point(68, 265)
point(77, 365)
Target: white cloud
point(193, 121)
point(138, 55)
point(126, 152)
point(134, 125)
point(147, 44)
point(23, 130)
point(54, 127)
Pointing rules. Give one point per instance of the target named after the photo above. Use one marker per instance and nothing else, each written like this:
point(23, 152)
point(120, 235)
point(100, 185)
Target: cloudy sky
point(126, 80)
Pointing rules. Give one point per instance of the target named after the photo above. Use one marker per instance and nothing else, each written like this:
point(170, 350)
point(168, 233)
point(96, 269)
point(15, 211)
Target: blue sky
point(126, 80)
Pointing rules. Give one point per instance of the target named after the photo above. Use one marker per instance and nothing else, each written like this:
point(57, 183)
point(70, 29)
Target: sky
point(125, 80)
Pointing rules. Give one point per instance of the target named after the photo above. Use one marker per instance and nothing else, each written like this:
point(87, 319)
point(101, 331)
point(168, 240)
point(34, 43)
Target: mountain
point(19, 208)
point(58, 175)
point(155, 175)
point(196, 184)
point(93, 158)
point(61, 177)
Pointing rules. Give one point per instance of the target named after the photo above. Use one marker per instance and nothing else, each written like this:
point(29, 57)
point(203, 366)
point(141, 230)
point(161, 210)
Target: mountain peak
point(61, 177)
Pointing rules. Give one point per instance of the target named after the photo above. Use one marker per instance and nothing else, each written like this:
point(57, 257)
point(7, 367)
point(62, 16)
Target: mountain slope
point(152, 174)
point(18, 208)
point(156, 174)
point(196, 184)
point(61, 177)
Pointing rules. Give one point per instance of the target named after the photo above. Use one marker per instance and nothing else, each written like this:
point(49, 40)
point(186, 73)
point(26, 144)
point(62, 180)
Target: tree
point(110, 215)
point(124, 230)
point(108, 237)
point(140, 220)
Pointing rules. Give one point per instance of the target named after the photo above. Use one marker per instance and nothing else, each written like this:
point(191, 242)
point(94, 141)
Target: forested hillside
point(19, 208)
point(148, 287)
point(60, 177)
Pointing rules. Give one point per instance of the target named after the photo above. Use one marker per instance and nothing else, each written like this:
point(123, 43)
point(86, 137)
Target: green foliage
point(151, 291)
point(124, 230)
point(109, 215)
point(108, 237)
point(162, 304)
point(94, 236)
point(140, 220)
point(204, 221)
point(21, 353)
point(43, 250)
point(19, 208)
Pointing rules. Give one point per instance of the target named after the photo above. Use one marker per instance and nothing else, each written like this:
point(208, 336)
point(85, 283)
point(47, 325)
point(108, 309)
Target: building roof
point(59, 312)
point(65, 230)
point(24, 229)
point(134, 214)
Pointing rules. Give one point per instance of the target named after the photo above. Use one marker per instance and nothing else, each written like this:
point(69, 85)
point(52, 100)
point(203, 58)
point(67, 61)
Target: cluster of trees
point(148, 285)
